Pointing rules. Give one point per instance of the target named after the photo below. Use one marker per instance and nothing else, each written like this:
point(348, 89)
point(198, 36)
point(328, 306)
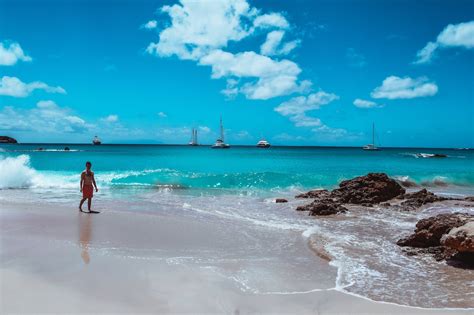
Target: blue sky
point(294, 72)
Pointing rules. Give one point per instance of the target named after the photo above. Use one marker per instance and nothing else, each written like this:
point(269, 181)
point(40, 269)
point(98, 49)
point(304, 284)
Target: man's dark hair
point(88, 163)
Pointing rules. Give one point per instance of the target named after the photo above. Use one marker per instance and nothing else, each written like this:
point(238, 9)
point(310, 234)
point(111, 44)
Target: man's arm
point(82, 181)
point(93, 182)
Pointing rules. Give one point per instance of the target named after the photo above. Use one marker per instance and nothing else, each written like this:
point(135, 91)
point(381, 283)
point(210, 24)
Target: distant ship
point(263, 144)
point(371, 146)
point(194, 138)
point(96, 141)
point(220, 144)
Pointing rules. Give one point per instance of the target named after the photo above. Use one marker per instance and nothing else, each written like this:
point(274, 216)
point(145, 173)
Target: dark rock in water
point(438, 252)
point(323, 207)
point(317, 193)
point(5, 139)
point(437, 155)
point(369, 189)
point(67, 149)
point(429, 231)
point(419, 198)
point(407, 183)
point(460, 238)
point(280, 200)
point(39, 149)
point(447, 237)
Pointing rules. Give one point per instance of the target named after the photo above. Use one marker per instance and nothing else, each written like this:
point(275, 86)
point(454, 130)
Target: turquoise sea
point(240, 168)
point(234, 191)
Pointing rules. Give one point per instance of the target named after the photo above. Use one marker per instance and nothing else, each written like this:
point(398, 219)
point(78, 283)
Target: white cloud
point(275, 78)
point(297, 107)
point(273, 44)
point(152, 24)
point(46, 117)
point(11, 53)
point(200, 31)
point(271, 20)
point(200, 26)
point(301, 104)
point(204, 129)
point(231, 90)
point(453, 35)
point(162, 115)
point(243, 134)
point(355, 59)
point(364, 103)
point(426, 53)
point(110, 119)
point(394, 87)
point(12, 86)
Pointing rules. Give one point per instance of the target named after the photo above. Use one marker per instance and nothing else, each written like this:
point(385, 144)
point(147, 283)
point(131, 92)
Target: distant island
point(5, 139)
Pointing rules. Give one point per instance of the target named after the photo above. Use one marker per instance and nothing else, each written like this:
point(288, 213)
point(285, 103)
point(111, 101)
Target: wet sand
point(56, 259)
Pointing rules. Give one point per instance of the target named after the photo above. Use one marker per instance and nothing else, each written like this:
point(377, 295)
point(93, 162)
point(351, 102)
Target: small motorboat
point(263, 144)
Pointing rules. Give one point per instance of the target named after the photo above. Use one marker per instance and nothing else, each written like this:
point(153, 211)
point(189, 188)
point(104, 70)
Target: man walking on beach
point(87, 187)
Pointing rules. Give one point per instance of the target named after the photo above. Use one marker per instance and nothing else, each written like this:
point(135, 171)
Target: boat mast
point(373, 135)
point(222, 131)
point(195, 136)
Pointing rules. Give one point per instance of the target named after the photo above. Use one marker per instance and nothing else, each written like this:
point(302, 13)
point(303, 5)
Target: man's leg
point(81, 203)
point(89, 201)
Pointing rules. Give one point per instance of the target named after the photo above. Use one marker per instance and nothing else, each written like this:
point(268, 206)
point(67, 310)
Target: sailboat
point(194, 138)
point(371, 146)
point(220, 144)
point(96, 141)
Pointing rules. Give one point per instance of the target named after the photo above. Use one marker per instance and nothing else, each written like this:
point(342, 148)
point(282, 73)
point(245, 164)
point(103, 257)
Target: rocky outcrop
point(445, 237)
point(5, 139)
point(323, 207)
point(369, 189)
point(281, 200)
point(460, 238)
point(419, 198)
point(429, 231)
point(317, 193)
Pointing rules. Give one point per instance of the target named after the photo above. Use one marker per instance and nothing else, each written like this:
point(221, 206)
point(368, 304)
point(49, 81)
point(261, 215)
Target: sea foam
point(16, 172)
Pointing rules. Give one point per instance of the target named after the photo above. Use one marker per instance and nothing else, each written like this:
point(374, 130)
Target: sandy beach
point(55, 259)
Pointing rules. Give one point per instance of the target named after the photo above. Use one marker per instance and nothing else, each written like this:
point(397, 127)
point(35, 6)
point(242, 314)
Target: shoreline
point(23, 216)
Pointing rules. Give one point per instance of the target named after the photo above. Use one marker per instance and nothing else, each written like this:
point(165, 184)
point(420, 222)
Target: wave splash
point(16, 172)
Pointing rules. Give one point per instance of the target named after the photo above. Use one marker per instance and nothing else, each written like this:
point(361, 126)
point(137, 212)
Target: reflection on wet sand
point(85, 233)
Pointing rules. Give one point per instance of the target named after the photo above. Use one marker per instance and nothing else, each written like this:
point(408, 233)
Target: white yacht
point(96, 141)
point(371, 146)
point(220, 144)
point(263, 144)
point(194, 138)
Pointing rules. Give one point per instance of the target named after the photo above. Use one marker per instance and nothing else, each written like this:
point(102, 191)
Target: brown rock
point(281, 200)
point(323, 207)
point(317, 193)
point(429, 231)
point(460, 238)
point(369, 189)
point(469, 198)
point(419, 198)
